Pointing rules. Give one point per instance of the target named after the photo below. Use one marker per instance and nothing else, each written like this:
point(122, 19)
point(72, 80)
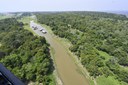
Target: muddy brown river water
point(66, 67)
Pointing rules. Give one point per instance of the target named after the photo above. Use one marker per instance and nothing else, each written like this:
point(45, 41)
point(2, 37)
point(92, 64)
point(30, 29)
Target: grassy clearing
point(110, 80)
point(4, 17)
point(124, 67)
point(92, 82)
point(105, 55)
point(0, 44)
point(102, 80)
point(26, 21)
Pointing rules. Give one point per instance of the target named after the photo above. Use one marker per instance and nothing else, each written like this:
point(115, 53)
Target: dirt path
point(67, 69)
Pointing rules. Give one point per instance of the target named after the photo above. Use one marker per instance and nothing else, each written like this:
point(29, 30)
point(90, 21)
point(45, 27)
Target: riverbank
point(66, 44)
point(65, 65)
point(68, 72)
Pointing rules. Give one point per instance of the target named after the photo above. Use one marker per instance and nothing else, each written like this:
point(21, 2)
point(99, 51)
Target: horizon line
point(66, 11)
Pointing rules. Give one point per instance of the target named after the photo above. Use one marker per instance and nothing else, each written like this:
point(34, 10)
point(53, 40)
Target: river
point(65, 66)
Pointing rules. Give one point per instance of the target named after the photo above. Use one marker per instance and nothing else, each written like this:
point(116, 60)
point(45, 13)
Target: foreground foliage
point(27, 56)
point(100, 40)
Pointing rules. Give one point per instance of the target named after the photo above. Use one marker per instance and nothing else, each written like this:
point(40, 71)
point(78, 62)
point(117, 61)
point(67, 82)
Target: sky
point(63, 5)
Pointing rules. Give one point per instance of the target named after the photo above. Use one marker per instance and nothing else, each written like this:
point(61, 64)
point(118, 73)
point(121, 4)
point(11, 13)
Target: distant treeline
point(91, 35)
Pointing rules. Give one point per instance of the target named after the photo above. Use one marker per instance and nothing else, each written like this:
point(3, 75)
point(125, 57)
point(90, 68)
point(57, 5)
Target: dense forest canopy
point(26, 55)
point(92, 35)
